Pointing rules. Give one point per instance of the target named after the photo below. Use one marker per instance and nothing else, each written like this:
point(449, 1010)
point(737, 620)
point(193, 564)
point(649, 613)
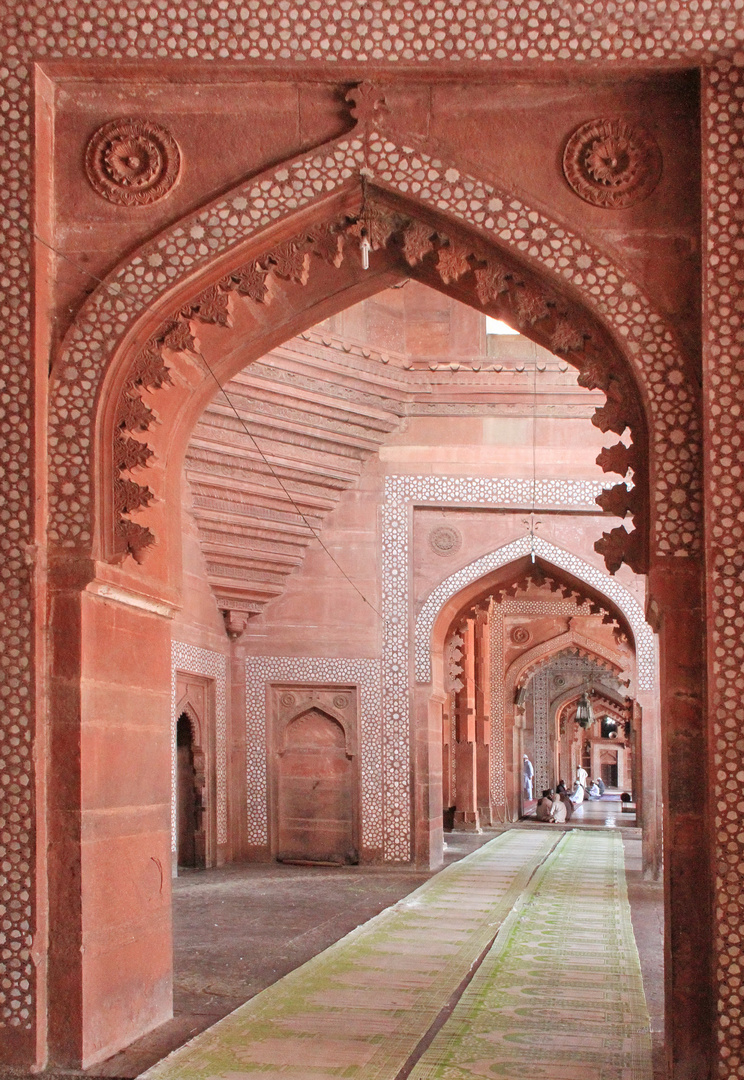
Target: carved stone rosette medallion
point(132, 162)
point(611, 163)
point(445, 540)
point(520, 635)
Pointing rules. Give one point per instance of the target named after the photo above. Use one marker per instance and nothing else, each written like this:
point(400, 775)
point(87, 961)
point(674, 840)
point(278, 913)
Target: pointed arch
point(122, 313)
point(334, 716)
point(186, 708)
point(523, 667)
point(555, 556)
point(533, 664)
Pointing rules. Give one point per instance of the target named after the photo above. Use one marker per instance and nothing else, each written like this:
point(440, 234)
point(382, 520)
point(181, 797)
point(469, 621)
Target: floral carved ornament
point(498, 280)
point(132, 162)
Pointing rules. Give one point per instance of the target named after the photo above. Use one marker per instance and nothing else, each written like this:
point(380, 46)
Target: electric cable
point(140, 307)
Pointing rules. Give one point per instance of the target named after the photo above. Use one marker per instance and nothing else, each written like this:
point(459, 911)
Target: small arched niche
point(314, 815)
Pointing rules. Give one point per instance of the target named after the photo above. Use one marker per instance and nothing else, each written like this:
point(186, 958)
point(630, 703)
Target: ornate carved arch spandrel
point(191, 247)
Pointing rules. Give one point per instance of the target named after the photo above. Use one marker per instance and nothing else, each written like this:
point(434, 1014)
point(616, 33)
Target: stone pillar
point(467, 816)
point(446, 754)
point(596, 752)
point(483, 715)
point(675, 590)
point(647, 753)
point(502, 762)
point(636, 778)
point(428, 833)
point(236, 755)
point(110, 956)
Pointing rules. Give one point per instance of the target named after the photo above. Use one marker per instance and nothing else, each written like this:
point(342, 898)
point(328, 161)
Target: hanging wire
point(534, 457)
point(285, 489)
point(138, 306)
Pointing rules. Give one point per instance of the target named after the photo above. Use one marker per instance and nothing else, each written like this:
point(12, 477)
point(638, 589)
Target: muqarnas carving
point(477, 274)
point(132, 162)
point(611, 163)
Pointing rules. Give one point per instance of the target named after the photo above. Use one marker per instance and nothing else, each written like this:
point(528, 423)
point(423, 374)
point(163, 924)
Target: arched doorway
point(124, 411)
point(552, 737)
point(188, 798)
point(512, 657)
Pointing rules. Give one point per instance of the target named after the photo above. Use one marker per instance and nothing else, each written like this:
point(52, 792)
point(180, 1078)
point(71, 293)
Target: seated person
point(600, 784)
point(559, 813)
point(593, 792)
point(544, 806)
point(561, 789)
point(568, 805)
point(579, 791)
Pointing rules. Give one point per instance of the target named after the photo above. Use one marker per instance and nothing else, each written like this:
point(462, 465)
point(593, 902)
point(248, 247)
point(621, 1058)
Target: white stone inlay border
point(578, 568)
point(364, 673)
point(402, 492)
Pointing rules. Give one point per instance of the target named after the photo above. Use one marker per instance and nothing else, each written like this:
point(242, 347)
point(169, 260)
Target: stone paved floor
point(231, 943)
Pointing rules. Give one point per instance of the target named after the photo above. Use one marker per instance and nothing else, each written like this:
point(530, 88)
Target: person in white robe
point(559, 811)
point(579, 791)
point(528, 773)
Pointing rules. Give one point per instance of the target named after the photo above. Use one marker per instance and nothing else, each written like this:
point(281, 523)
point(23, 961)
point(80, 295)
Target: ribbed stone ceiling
point(318, 407)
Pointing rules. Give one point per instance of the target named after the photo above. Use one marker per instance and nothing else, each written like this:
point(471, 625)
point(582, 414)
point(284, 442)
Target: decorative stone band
point(401, 493)
point(192, 245)
point(190, 660)
point(578, 568)
point(378, 831)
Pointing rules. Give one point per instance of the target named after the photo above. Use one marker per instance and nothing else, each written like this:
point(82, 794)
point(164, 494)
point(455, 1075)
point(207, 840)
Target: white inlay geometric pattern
point(402, 492)
point(191, 660)
point(375, 793)
point(578, 568)
point(540, 710)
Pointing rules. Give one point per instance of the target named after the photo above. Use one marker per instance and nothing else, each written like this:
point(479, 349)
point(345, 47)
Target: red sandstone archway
point(493, 699)
point(122, 352)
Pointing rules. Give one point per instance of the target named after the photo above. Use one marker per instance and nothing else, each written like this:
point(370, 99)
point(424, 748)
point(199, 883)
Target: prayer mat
point(359, 1009)
point(559, 995)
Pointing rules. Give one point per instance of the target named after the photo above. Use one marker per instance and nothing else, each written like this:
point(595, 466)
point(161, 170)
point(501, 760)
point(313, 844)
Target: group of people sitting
point(559, 805)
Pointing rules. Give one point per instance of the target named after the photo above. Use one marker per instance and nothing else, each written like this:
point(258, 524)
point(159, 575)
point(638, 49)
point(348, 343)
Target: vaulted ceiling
point(267, 462)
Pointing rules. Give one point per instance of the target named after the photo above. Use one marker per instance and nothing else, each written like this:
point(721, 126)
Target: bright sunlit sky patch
point(496, 326)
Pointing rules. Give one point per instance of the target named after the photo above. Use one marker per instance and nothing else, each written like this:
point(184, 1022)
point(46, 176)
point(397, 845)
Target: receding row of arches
point(447, 759)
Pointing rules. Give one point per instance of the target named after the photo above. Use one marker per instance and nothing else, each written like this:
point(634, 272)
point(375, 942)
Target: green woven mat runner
point(560, 994)
point(359, 1009)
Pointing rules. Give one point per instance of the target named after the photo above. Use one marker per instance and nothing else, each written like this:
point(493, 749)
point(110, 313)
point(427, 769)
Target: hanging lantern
point(584, 712)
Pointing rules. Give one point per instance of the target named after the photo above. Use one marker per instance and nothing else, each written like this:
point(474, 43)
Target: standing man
point(528, 776)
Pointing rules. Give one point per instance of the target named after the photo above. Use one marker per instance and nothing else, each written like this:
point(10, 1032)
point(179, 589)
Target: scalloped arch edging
point(564, 560)
point(192, 245)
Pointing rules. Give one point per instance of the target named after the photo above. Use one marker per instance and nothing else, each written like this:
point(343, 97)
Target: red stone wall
point(459, 40)
point(723, 379)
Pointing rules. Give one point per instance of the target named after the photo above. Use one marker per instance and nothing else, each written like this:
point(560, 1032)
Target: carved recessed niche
point(314, 805)
point(612, 163)
point(132, 162)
